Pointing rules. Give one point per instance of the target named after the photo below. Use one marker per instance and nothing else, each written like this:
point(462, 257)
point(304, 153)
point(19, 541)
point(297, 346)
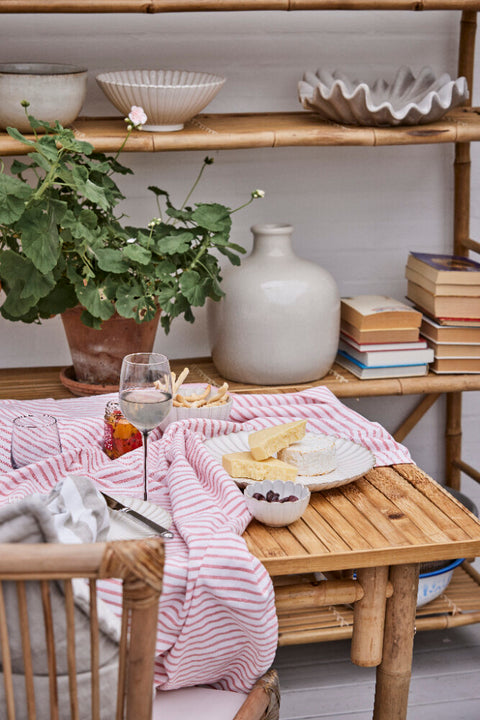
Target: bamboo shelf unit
point(461, 604)
point(262, 130)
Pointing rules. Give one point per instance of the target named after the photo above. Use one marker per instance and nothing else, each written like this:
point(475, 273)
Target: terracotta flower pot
point(97, 354)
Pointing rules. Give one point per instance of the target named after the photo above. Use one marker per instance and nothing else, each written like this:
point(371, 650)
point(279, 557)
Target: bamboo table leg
point(369, 617)
point(393, 673)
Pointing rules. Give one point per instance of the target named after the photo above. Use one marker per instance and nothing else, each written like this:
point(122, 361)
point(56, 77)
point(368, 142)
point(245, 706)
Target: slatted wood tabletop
point(263, 130)
point(394, 515)
point(30, 383)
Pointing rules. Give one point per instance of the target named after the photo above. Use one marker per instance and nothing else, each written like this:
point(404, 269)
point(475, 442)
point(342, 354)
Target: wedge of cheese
point(242, 465)
point(265, 443)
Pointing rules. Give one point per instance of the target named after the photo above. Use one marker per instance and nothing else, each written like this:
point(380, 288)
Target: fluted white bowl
point(408, 100)
point(169, 97)
point(277, 514)
point(214, 412)
point(55, 92)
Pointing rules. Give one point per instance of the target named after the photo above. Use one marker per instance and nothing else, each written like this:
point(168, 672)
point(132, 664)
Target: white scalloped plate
point(353, 461)
point(123, 527)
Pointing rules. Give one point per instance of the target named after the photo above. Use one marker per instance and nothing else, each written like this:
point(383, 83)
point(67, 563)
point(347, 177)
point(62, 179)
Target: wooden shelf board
point(262, 130)
point(164, 6)
point(32, 383)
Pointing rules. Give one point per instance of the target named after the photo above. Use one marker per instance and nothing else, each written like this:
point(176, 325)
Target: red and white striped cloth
point(217, 621)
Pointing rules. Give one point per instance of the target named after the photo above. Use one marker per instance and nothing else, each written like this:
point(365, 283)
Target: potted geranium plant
point(63, 250)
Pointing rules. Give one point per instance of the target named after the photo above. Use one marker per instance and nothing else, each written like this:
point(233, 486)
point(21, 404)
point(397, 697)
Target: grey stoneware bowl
point(55, 92)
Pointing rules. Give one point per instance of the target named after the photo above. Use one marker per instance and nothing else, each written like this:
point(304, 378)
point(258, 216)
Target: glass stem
point(145, 437)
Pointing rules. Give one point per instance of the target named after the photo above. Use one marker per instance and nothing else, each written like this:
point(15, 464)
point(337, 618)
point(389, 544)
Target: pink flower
point(137, 116)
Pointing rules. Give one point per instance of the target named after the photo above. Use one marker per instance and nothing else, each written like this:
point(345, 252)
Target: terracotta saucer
point(67, 378)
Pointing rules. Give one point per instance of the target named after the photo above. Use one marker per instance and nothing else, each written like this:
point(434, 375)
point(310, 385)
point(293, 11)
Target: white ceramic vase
point(279, 320)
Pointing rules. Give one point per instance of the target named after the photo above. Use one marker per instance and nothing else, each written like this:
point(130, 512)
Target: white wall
point(357, 211)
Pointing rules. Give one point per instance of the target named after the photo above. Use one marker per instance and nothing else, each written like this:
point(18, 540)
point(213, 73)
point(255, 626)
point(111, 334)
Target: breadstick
point(199, 396)
point(180, 379)
point(183, 401)
point(221, 392)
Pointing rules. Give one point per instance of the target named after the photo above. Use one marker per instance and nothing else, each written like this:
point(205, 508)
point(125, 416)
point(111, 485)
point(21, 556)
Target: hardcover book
point(464, 366)
point(445, 350)
point(456, 334)
point(373, 373)
point(444, 307)
point(378, 312)
point(379, 358)
point(441, 288)
point(380, 336)
point(453, 269)
point(365, 347)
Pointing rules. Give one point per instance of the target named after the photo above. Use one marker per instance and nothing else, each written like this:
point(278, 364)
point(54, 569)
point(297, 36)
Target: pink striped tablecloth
point(217, 621)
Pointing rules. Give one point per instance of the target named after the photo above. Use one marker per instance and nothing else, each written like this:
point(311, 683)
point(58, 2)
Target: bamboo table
point(382, 526)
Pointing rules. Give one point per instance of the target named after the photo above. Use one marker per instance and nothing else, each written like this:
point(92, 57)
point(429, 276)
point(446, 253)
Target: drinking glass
point(34, 437)
point(145, 395)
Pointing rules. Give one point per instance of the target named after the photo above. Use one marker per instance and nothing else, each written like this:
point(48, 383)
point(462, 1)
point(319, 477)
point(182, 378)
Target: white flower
point(131, 240)
point(258, 194)
point(137, 116)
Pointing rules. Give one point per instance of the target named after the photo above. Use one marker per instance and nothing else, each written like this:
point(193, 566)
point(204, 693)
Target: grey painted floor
point(318, 682)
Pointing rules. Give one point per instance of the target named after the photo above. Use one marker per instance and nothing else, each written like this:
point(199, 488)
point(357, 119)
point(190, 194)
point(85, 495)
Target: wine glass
point(145, 395)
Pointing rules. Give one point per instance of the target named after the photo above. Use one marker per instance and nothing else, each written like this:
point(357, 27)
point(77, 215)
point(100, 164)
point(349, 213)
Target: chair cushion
point(196, 702)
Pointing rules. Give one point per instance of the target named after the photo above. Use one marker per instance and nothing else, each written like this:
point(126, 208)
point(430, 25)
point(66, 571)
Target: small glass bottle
point(120, 436)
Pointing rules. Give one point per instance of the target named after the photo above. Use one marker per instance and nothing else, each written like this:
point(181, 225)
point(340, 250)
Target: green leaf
point(234, 259)
point(36, 284)
point(18, 167)
point(111, 260)
point(213, 217)
point(40, 239)
point(137, 253)
point(13, 195)
point(178, 241)
point(193, 287)
point(17, 135)
point(94, 300)
point(62, 296)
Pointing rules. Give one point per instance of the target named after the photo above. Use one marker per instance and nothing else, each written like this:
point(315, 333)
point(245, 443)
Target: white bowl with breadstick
point(197, 400)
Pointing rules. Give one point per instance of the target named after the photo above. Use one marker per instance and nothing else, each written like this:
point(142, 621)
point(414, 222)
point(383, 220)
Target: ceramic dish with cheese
point(289, 452)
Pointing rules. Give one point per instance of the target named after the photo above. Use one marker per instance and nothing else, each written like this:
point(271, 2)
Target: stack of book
point(380, 338)
point(446, 288)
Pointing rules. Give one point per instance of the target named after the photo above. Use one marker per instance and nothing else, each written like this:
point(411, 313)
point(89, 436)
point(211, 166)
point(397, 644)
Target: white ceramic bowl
point(408, 99)
point(433, 584)
point(277, 514)
point(54, 91)
point(169, 97)
point(216, 412)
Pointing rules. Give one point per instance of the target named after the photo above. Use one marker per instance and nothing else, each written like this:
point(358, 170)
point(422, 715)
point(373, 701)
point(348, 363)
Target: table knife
point(120, 507)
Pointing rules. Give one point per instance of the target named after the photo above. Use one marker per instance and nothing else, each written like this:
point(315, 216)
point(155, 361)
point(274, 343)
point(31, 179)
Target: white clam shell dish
point(407, 100)
point(169, 97)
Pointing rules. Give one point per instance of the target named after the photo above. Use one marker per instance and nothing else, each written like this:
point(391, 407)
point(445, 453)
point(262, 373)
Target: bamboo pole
point(453, 439)
point(369, 617)
point(393, 673)
point(166, 6)
point(467, 469)
point(332, 592)
point(415, 416)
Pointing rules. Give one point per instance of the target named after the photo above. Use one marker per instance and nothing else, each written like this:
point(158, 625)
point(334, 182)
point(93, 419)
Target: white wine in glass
point(145, 395)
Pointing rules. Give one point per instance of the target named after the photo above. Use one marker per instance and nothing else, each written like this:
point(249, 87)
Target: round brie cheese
point(313, 455)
